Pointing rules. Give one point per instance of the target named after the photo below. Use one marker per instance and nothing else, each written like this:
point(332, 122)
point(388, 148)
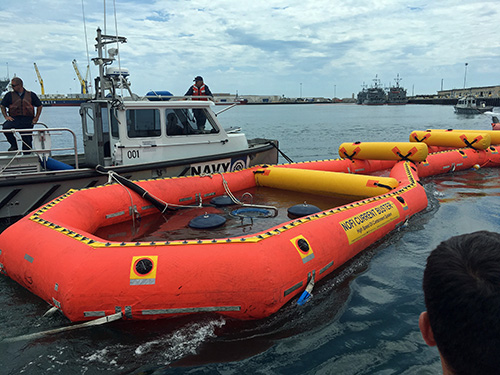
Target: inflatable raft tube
point(343, 165)
point(494, 135)
point(477, 141)
point(324, 183)
point(458, 160)
point(383, 151)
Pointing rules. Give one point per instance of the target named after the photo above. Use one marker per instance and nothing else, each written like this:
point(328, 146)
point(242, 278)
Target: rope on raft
point(160, 204)
point(238, 202)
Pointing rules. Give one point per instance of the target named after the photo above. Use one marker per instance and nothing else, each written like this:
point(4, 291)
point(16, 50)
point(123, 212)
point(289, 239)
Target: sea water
point(363, 319)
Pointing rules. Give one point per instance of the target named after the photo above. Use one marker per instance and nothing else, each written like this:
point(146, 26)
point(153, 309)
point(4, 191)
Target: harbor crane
point(83, 82)
point(40, 80)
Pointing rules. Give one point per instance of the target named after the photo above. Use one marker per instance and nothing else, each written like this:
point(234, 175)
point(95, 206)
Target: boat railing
point(42, 138)
point(158, 97)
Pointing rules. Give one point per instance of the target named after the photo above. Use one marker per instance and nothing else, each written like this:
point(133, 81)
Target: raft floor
point(173, 225)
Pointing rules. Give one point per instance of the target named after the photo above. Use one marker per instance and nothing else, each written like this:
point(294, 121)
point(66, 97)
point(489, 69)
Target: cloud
point(260, 47)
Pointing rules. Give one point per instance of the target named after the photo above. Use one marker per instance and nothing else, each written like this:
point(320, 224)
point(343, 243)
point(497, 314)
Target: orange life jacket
point(199, 91)
point(21, 106)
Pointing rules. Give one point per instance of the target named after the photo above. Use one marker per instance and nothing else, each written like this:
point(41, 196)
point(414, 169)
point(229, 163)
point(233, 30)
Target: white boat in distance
point(133, 137)
point(470, 105)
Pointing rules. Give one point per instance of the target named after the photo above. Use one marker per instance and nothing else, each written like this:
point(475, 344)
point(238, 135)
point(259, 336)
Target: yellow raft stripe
point(494, 134)
point(251, 239)
point(384, 151)
point(479, 141)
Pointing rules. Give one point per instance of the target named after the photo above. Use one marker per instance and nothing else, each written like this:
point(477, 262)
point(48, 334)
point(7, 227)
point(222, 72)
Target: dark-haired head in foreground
point(462, 296)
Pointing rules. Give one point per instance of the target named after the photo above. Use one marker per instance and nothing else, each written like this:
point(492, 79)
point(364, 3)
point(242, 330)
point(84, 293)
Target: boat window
point(114, 124)
point(89, 121)
point(105, 119)
point(143, 123)
point(211, 126)
point(189, 121)
point(174, 124)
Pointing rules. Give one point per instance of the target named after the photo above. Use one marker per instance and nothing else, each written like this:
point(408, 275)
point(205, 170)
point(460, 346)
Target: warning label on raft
point(366, 222)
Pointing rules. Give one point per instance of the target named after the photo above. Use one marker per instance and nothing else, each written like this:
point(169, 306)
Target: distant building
point(227, 97)
point(485, 92)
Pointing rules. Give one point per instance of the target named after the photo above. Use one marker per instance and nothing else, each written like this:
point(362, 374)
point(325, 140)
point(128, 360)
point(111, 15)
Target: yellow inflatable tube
point(494, 134)
point(478, 141)
point(384, 151)
point(324, 183)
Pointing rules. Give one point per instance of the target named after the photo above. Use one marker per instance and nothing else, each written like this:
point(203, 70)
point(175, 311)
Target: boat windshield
point(147, 122)
point(187, 121)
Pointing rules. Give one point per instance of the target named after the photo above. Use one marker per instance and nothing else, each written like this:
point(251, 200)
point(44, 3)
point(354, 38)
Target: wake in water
point(182, 342)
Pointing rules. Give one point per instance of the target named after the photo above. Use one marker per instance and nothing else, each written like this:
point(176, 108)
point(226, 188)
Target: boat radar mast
point(110, 78)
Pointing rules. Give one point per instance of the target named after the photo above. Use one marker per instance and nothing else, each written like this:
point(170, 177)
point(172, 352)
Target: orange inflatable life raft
point(55, 252)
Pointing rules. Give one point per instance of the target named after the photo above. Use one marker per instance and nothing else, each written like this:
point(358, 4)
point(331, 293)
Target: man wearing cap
point(22, 115)
point(199, 89)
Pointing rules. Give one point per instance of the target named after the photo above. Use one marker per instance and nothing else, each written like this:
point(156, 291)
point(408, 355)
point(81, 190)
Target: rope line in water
point(91, 323)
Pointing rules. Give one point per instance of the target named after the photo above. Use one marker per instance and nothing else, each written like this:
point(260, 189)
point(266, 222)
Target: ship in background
point(396, 95)
point(61, 100)
point(361, 95)
point(50, 100)
point(377, 95)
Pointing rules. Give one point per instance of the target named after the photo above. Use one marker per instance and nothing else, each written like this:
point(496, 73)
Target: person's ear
point(425, 327)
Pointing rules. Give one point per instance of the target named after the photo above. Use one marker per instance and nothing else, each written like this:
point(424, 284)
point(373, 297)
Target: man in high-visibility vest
point(199, 89)
point(22, 115)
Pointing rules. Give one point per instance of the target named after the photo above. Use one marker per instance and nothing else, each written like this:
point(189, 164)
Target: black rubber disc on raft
point(207, 221)
point(303, 209)
point(222, 200)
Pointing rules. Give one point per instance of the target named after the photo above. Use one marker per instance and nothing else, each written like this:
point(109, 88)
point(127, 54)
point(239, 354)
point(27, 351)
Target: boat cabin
point(132, 132)
point(467, 101)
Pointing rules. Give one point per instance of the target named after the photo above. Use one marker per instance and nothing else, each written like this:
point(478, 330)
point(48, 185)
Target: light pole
point(301, 90)
point(465, 75)
point(334, 91)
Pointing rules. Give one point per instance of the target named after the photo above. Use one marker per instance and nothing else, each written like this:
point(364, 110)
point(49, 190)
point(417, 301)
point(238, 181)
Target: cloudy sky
point(273, 47)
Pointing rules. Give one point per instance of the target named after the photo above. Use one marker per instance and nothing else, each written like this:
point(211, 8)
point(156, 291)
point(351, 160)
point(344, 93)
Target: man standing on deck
point(199, 89)
point(21, 104)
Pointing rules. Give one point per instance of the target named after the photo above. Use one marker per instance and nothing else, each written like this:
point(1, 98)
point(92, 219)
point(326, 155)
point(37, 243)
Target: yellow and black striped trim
point(36, 217)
